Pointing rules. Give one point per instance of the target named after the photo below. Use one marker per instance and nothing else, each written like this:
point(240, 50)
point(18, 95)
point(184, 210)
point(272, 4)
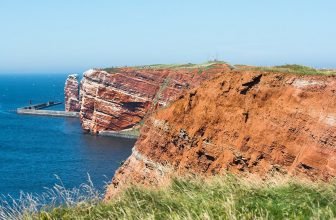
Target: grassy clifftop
point(290, 68)
point(218, 198)
point(168, 66)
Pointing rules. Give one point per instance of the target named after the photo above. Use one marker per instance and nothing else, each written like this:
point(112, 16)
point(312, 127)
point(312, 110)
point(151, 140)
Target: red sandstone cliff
point(248, 121)
point(119, 98)
point(71, 92)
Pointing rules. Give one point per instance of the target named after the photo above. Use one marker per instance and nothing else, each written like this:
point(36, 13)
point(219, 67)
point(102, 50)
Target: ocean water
point(33, 149)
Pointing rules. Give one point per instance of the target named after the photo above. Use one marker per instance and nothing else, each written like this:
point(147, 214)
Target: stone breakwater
point(120, 98)
point(240, 122)
point(48, 113)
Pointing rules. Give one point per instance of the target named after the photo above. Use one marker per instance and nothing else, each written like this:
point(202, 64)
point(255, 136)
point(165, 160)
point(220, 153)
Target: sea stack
point(71, 91)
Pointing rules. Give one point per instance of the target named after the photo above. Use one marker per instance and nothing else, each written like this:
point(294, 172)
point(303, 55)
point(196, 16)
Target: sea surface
point(34, 149)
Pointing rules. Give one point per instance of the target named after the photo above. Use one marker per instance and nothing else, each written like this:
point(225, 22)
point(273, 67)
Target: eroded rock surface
point(240, 122)
point(120, 98)
point(71, 91)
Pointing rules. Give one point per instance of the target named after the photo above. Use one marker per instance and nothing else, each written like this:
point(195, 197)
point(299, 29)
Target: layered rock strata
point(239, 122)
point(118, 99)
point(71, 92)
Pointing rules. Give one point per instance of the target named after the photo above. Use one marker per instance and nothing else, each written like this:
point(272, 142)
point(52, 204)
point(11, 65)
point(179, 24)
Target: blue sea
point(33, 149)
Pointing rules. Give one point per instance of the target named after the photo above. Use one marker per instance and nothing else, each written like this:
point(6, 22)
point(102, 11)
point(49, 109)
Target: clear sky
point(61, 36)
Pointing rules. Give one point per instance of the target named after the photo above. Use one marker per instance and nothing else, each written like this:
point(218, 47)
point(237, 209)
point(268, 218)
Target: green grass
point(169, 66)
point(292, 68)
point(288, 68)
point(218, 198)
point(112, 69)
point(131, 132)
point(182, 66)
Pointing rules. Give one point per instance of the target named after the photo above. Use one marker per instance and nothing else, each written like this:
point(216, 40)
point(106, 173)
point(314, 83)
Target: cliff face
point(119, 98)
point(71, 92)
point(248, 121)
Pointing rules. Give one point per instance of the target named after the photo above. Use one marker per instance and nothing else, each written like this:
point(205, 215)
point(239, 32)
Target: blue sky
point(61, 36)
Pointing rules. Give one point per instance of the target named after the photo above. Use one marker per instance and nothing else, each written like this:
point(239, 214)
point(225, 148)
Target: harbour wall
point(48, 113)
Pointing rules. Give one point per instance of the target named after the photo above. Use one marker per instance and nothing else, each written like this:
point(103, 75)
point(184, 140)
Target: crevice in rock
point(132, 106)
point(209, 157)
point(246, 115)
point(255, 80)
point(305, 166)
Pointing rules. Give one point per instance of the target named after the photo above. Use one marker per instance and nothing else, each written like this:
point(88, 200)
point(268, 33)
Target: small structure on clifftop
point(71, 92)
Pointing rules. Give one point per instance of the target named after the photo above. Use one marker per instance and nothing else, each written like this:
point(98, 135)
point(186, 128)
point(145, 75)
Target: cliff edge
point(246, 121)
point(116, 99)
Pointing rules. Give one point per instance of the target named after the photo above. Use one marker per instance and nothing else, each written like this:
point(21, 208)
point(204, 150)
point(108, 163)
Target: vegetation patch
point(288, 68)
point(135, 131)
point(208, 64)
point(112, 69)
point(291, 68)
point(225, 197)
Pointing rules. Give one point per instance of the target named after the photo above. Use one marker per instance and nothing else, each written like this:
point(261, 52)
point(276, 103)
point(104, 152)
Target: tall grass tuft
point(28, 205)
point(220, 197)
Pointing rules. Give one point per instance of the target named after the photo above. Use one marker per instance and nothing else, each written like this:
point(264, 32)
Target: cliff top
point(209, 64)
point(287, 68)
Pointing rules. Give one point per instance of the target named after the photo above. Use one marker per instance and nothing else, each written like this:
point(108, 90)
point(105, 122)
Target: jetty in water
point(38, 109)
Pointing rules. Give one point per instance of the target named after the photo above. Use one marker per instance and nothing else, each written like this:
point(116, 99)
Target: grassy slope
point(288, 68)
point(292, 68)
point(218, 198)
point(181, 66)
point(168, 66)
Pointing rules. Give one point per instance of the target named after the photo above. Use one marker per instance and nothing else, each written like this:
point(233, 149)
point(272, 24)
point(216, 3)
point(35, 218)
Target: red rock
point(71, 91)
point(240, 122)
point(120, 99)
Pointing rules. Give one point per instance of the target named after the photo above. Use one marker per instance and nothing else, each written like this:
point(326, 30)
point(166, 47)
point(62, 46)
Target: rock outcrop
point(71, 92)
point(240, 122)
point(119, 98)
